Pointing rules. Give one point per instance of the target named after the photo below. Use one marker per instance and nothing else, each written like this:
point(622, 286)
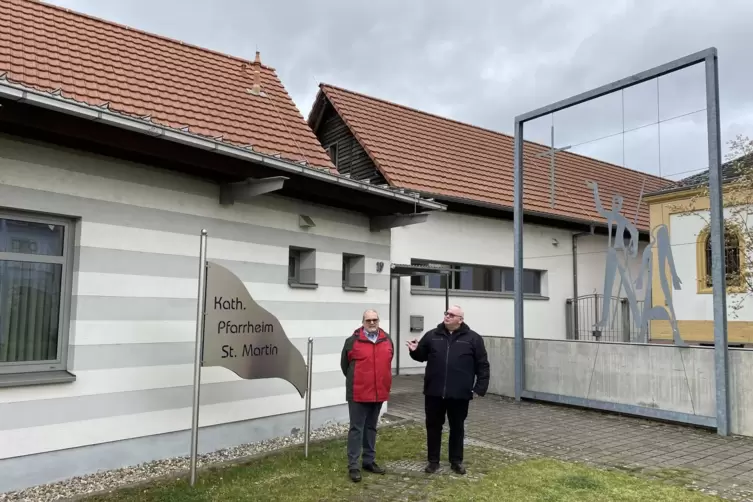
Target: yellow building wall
point(661, 208)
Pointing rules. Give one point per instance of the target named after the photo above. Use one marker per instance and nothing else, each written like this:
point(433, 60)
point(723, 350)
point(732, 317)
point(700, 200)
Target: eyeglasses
point(451, 315)
point(371, 320)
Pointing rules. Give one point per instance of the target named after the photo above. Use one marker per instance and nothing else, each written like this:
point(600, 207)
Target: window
point(332, 150)
point(354, 272)
point(35, 260)
point(301, 267)
point(733, 259)
point(479, 278)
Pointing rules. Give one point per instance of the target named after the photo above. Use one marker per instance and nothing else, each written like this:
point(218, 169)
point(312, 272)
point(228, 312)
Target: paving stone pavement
point(679, 454)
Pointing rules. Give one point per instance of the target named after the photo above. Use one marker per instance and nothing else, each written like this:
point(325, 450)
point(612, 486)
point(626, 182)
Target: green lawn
point(492, 476)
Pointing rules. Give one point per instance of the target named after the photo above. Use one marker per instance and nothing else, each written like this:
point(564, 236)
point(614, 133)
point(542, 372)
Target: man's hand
point(412, 344)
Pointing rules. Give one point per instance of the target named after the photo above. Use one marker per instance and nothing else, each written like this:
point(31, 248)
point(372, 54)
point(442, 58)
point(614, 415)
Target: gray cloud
point(486, 62)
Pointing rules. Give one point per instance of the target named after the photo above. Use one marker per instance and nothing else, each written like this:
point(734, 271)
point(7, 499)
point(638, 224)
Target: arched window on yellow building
point(734, 259)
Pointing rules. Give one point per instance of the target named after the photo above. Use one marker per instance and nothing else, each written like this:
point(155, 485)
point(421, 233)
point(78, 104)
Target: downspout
point(447, 292)
point(394, 333)
point(397, 314)
point(575, 279)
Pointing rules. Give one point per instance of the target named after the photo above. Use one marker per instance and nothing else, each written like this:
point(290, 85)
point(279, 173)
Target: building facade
point(471, 170)
point(105, 185)
point(685, 212)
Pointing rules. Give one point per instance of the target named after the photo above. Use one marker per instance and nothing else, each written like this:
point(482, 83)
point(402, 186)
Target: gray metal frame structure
point(709, 58)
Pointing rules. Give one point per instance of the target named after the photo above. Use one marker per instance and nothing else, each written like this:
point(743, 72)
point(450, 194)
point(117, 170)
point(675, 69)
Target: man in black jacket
point(456, 368)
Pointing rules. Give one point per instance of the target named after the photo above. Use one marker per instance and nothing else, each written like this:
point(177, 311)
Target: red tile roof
point(419, 151)
point(140, 74)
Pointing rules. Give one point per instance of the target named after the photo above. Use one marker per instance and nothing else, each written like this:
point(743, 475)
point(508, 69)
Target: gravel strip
point(108, 480)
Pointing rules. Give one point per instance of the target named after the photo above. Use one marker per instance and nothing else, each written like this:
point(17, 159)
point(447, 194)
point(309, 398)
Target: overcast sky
point(483, 62)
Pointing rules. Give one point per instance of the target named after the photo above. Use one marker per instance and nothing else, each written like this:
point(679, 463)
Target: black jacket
point(456, 365)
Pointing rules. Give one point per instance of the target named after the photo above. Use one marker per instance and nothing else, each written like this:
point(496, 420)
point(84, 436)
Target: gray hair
point(367, 311)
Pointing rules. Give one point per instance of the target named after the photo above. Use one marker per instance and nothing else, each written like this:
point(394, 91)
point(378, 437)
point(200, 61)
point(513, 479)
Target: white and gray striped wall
point(133, 305)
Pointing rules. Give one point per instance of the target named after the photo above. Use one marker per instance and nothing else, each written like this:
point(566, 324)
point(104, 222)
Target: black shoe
point(458, 468)
point(355, 475)
point(432, 468)
point(373, 467)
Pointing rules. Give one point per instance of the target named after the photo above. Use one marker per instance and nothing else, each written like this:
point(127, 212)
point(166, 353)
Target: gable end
point(346, 152)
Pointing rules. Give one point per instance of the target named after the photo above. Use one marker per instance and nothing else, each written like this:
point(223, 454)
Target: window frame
point(334, 158)
point(66, 293)
point(295, 255)
point(351, 264)
point(300, 254)
point(703, 267)
point(457, 268)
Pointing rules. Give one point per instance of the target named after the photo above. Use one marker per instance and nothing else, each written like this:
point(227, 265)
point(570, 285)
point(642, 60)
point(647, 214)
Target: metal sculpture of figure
point(660, 239)
point(613, 265)
point(615, 217)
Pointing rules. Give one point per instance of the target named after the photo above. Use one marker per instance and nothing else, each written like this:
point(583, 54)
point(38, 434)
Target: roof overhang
point(466, 205)
point(695, 189)
point(492, 210)
point(671, 193)
point(317, 110)
point(397, 269)
point(325, 187)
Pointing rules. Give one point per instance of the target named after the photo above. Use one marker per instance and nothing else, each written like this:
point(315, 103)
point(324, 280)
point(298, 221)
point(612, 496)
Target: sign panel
point(243, 337)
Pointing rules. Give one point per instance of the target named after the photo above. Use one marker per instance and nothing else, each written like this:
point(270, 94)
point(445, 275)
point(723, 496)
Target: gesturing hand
point(412, 344)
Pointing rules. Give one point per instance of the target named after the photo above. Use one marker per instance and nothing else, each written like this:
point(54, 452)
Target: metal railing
point(585, 313)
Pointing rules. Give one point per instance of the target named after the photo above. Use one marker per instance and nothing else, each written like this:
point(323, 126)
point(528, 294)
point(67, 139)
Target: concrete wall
point(459, 238)
point(134, 305)
point(656, 376)
point(501, 352)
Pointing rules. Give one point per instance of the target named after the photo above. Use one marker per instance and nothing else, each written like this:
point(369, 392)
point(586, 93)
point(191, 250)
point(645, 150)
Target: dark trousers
point(456, 411)
point(362, 433)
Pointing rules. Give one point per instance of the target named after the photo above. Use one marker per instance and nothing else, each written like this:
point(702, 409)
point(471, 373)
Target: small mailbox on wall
point(416, 323)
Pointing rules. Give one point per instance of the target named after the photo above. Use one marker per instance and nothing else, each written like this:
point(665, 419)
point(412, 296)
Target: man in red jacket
point(366, 362)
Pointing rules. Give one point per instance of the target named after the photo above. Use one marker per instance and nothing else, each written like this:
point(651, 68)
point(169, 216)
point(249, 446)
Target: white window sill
point(36, 378)
point(355, 289)
point(303, 285)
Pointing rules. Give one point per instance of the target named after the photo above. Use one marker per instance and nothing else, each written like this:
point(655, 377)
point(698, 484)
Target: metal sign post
point(197, 359)
point(309, 389)
point(235, 332)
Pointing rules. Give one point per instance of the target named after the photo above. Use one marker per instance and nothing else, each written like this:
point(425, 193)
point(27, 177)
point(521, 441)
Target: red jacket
point(367, 367)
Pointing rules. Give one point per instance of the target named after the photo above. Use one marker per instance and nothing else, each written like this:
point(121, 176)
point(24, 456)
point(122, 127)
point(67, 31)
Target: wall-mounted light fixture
point(305, 221)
